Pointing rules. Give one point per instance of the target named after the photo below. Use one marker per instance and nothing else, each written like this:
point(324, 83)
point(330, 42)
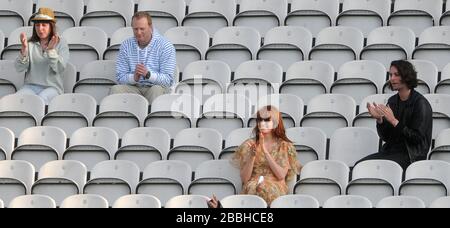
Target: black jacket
point(415, 125)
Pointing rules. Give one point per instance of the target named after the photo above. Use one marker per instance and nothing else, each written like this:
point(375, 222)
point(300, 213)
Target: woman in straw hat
point(43, 57)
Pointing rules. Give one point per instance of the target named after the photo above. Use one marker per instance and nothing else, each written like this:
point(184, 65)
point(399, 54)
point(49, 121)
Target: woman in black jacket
point(406, 122)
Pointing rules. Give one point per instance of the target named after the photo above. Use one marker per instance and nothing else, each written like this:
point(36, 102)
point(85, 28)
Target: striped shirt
point(159, 58)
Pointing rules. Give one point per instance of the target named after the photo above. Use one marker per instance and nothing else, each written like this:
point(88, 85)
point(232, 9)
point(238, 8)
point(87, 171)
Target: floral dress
point(284, 154)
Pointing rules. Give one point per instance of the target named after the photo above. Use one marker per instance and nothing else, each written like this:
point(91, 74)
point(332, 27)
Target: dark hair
point(142, 14)
point(407, 72)
point(268, 113)
point(35, 37)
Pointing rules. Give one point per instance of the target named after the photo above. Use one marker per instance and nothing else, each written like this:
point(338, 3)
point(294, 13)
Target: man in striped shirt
point(146, 62)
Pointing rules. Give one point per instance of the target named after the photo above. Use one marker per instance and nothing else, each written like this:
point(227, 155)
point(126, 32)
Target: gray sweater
point(45, 68)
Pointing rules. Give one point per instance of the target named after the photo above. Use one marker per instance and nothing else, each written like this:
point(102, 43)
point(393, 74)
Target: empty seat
point(416, 14)
point(113, 179)
point(225, 112)
point(70, 78)
point(60, 179)
point(219, 178)
point(338, 45)
point(19, 112)
point(314, 15)
point(108, 15)
point(286, 45)
point(210, 15)
point(67, 12)
point(16, 178)
point(165, 14)
point(364, 15)
point(434, 46)
point(188, 201)
point(191, 44)
point(443, 202)
point(427, 180)
point(165, 179)
point(323, 179)
point(445, 18)
point(360, 79)
point(310, 143)
point(401, 202)
point(308, 79)
point(96, 79)
point(11, 51)
point(375, 179)
point(261, 14)
point(243, 201)
point(6, 143)
point(330, 112)
point(204, 79)
point(443, 85)
point(427, 74)
point(441, 149)
point(86, 44)
point(70, 112)
point(39, 145)
point(92, 145)
point(347, 201)
point(122, 112)
point(441, 112)
point(364, 119)
point(234, 45)
point(32, 201)
point(10, 80)
point(234, 140)
point(173, 113)
point(117, 38)
point(85, 201)
point(387, 44)
point(196, 145)
point(137, 201)
point(14, 14)
point(256, 79)
point(295, 201)
point(144, 146)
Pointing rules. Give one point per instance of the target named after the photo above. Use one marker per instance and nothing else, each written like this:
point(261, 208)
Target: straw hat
point(44, 14)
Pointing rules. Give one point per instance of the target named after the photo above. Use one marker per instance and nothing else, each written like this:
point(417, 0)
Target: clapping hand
point(375, 112)
point(140, 71)
point(388, 114)
point(53, 42)
point(24, 41)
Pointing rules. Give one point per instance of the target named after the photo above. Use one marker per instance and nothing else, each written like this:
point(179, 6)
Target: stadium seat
point(441, 112)
point(165, 179)
point(286, 45)
point(144, 146)
point(173, 113)
point(441, 150)
point(92, 145)
point(86, 44)
point(443, 202)
point(445, 18)
point(330, 112)
point(137, 201)
point(310, 143)
point(347, 201)
point(243, 201)
point(96, 79)
point(364, 15)
point(113, 179)
point(375, 179)
point(69, 78)
point(323, 179)
point(225, 112)
point(364, 119)
point(417, 15)
point(67, 12)
point(2, 41)
point(191, 44)
point(39, 145)
point(314, 15)
point(401, 202)
point(262, 15)
point(218, 177)
point(32, 201)
point(165, 14)
point(234, 45)
point(108, 15)
point(210, 15)
point(427, 180)
point(10, 80)
point(19, 112)
point(14, 14)
point(188, 201)
point(338, 45)
point(70, 112)
point(427, 74)
point(386, 44)
point(1, 204)
point(6, 143)
point(11, 51)
point(60, 179)
point(85, 201)
point(204, 79)
point(234, 140)
point(434, 46)
point(16, 177)
point(295, 201)
point(443, 86)
point(308, 79)
point(360, 79)
point(119, 36)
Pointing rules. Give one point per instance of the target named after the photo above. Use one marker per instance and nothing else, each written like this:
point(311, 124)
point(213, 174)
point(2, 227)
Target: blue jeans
point(46, 93)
